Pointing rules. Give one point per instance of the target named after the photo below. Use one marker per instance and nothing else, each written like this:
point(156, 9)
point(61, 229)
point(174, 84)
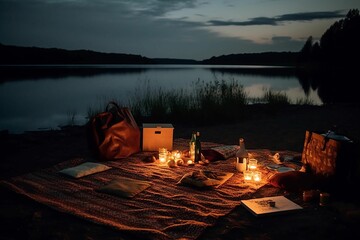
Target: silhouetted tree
point(338, 46)
point(332, 63)
point(305, 52)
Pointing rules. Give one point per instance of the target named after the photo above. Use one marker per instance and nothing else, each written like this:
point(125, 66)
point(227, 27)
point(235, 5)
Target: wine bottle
point(192, 146)
point(197, 148)
point(241, 153)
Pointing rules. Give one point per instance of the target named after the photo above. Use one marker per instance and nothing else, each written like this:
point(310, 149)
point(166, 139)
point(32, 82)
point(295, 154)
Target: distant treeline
point(266, 58)
point(36, 55)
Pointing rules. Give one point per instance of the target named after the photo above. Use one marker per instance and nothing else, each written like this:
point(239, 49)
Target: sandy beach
point(280, 129)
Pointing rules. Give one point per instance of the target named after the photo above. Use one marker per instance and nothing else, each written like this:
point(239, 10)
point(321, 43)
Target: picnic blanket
point(162, 210)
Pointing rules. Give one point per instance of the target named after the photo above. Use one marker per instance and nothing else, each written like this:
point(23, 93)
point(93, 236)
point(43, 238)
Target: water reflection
point(47, 96)
point(333, 86)
point(268, 71)
point(37, 72)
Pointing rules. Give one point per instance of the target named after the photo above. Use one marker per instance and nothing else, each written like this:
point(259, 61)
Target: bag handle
point(326, 139)
point(123, 112)
point(129, 117)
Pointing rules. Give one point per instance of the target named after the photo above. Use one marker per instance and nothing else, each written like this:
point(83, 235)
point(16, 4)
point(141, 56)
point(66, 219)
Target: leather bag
point(114, 133)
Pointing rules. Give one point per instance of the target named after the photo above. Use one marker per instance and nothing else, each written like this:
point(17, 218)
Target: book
point(270, 205)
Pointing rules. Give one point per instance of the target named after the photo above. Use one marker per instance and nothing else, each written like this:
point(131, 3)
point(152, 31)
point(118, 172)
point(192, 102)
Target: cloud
point(253, 21)
point(156, 8)
point(281, 39)
point(152, 28)
point(310, 16)
point(303, 16)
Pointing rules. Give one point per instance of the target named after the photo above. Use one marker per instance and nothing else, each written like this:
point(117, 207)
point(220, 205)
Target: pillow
point(293, 181)
point(124, 187)
point(220, 152)
point(84, 169)
point(204, 179)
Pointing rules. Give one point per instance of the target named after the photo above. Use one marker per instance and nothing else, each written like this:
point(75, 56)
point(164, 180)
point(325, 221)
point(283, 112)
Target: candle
point(190, 162)
point(176, 154)
point(252, 164)
point(162, 155)
point(247, 175)
point(257, 176)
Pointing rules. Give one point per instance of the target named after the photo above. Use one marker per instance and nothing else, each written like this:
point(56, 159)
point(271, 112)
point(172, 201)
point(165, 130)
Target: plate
point(273, 166)
point(285, 169)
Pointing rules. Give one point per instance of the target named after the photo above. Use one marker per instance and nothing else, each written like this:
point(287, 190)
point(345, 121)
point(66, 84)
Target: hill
point(35, 55)
point(265, 58)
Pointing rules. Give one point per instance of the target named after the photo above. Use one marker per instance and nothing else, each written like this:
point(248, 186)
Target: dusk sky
point(187, 29)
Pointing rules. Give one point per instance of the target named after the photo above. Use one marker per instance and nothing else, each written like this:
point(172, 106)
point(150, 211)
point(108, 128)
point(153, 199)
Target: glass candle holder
point(176, 154)
point(248, 175)
point(257, 176)
point(252, 164)
point(162, 155)
point(162, 150)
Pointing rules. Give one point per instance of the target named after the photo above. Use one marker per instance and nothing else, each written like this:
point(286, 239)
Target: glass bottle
point(197, 148)
point(242, 154)
point(192, 146)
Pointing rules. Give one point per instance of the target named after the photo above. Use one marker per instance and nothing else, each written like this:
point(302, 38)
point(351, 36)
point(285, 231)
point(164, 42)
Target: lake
point(46, 97)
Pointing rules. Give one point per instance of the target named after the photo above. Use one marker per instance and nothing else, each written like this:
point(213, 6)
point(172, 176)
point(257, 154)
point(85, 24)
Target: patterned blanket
point(165, 210)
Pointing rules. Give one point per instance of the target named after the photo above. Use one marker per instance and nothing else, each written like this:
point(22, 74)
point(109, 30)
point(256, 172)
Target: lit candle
point(162, 155)
point(257, 176)
point(247, 175)
point(252, 164)
point(190, 162)
point(177, 155)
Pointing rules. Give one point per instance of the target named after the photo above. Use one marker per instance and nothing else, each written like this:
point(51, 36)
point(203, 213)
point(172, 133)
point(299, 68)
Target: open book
point(270, 205)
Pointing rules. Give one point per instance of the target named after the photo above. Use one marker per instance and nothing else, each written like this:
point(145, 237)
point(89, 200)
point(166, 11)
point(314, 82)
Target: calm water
point(36, 98)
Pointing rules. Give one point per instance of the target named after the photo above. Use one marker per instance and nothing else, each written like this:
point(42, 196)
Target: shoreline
point(281, 129)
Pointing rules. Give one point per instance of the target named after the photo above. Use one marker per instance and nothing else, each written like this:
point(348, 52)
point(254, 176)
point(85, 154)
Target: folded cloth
point(220, 152)
point(294, 181)
point(84, 169)
point(124, 187)
point(204, 179)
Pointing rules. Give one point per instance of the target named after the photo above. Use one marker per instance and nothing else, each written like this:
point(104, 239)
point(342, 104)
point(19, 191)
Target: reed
point(276, 98)
point(205, 103)
point(209, 102)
